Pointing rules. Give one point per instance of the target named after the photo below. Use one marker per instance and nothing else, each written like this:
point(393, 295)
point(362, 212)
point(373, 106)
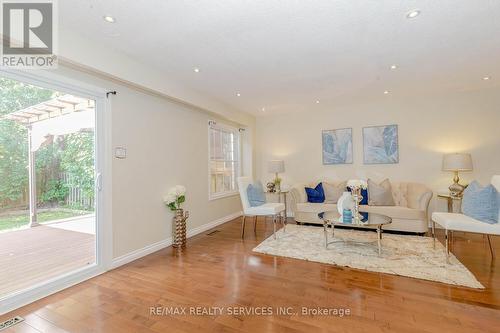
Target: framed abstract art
point(380, 144)
point(337, 146)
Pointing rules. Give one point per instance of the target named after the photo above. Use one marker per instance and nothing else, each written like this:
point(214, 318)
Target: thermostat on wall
point(121, 152)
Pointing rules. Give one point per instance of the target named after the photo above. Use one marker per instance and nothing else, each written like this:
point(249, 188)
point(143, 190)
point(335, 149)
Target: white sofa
point(409, 214)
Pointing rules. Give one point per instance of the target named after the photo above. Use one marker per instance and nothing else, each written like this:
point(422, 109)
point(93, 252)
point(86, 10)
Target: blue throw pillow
point(481, 203)
point(316, 194)
point(364, 193)
point(255, 193)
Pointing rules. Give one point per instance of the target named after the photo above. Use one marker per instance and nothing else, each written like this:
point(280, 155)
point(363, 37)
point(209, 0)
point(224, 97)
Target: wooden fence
point(76, 196)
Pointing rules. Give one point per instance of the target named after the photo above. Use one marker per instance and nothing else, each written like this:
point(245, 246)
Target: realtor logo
point(28, 33)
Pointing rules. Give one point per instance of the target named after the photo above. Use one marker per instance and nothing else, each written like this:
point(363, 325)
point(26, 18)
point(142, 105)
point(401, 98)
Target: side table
point(279, 193)
point(450, 199)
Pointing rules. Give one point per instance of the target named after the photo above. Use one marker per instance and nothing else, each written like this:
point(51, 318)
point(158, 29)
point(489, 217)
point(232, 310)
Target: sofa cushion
point(309, 207)
point(316, 194)
point(333, 191)
point(400, 193)
point(270, 208)
point(415, 192)
point(380, 194)
point(300, 192)
point(395, 212)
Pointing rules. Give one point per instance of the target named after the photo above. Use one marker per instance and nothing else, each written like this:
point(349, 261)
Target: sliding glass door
point(48, 196)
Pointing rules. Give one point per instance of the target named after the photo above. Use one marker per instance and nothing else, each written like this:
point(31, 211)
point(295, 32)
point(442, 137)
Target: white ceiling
point(286, 54)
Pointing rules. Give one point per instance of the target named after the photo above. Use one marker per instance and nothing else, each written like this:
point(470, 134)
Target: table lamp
point(276, 167)
point(457, 162)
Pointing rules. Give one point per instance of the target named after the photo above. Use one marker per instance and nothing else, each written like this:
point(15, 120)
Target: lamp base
point(456, 189)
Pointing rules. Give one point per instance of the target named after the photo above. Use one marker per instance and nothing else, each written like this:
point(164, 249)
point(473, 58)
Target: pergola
point(62, 106)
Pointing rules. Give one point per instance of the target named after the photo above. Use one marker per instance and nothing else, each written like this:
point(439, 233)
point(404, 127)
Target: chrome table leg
point(274, 226)
point(379, 237)
point(434, 234)
point(325, 231)
point(447, 241)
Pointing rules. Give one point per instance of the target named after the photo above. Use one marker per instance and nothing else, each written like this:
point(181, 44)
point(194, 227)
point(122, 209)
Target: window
point(224, 155)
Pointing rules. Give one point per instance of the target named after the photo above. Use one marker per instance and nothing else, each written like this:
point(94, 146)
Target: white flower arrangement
point(175, 197)
point(354, 184)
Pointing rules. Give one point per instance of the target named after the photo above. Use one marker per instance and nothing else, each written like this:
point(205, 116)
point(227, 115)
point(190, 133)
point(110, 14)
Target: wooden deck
point(35, 255)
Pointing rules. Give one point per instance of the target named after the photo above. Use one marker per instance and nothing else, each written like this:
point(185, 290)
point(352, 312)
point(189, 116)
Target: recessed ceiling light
point(196, 70)
point(109, 19)
point(394, 66)
point(238, 94)
point(486, 78)
point(413, 13)
point(263, 109)
point(386, 92)
point(317, 102)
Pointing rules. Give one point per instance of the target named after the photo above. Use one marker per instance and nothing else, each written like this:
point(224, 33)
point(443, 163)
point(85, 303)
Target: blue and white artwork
point(337, 146)
point(380, 144)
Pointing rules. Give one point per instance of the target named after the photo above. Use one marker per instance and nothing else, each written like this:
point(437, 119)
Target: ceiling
point(285, 55)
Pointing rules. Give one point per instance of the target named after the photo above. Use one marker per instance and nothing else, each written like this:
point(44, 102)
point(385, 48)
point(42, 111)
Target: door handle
point(99, 182)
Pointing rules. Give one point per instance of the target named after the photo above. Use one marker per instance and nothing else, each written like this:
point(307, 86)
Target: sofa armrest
point(296, 197)
point(424, 201)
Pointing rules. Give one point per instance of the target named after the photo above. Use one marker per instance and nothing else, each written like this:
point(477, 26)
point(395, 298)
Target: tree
point(77, 159)
point(71, 154)
point(15, 96)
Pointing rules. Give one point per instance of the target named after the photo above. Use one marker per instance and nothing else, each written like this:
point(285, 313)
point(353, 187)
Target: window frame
point(212, 124)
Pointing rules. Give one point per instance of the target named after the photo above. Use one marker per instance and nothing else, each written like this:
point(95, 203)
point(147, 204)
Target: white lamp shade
point(276, 166)
point(457, 162)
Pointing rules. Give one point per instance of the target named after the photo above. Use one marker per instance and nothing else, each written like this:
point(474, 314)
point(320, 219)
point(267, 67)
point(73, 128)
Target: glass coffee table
point(368, 221)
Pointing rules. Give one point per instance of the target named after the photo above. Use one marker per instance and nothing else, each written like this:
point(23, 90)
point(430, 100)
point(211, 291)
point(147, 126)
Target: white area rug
point(412, 256)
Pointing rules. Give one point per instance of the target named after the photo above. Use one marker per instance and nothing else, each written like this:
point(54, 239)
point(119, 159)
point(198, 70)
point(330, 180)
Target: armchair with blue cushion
point(472, 221)
point(254, 204)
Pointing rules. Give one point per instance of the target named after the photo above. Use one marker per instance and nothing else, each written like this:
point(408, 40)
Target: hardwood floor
point(220, 270)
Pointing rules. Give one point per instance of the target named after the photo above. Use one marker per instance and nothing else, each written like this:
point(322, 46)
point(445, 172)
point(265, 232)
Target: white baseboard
point(139, 253)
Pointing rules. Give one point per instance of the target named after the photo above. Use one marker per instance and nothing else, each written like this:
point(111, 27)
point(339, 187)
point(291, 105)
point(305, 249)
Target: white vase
point(345, 202)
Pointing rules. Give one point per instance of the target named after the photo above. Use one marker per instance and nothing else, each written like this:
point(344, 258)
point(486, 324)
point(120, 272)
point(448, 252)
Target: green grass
point(17, 221)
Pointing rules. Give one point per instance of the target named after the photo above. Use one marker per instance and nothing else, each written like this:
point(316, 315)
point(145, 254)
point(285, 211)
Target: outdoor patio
point(37, 254)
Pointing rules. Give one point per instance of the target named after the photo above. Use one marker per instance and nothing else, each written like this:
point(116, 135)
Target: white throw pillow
point(380, 194)
point(333, 191)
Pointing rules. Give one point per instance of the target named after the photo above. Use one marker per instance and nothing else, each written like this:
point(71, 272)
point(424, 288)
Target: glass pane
point(217, 145)
point(212, 183)
point(227, 141)
point(227, 182)
point(235, 170)
point(213, 167)
point(218, 183)
point(220, 167)
point(212, 143)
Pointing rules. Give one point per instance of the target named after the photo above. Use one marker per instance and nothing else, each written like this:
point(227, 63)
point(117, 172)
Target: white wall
point(167, 144)
point(428, 127)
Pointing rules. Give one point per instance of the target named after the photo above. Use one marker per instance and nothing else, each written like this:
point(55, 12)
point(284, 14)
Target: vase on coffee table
point(357, 197)
point(355, 185)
